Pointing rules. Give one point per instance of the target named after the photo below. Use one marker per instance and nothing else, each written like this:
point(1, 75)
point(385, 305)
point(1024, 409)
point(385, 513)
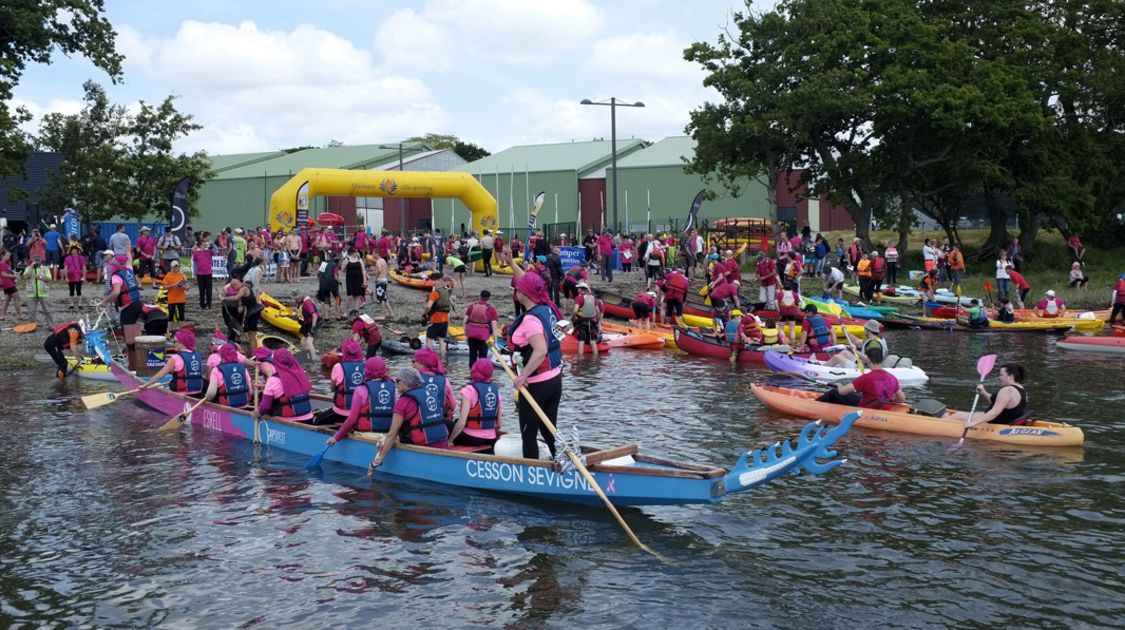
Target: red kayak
point(693, 342)
point(618, 305)
point(1113, 345)
point(1119, 331)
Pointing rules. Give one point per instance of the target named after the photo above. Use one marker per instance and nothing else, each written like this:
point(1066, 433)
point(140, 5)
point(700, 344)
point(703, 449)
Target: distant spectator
point(1078, 278)
point(1118, 301)
point(1075, 245)
point(1003, 280)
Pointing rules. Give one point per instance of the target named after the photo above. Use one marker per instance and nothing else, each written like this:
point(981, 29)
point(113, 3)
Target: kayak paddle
point(988, 289)
point(315, 461)
point(984, 367)
point(93, 401)
point(175, 422)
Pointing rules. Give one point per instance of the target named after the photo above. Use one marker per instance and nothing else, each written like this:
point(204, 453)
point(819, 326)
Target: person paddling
point(429, 365)
point(372, 405)
point(229, 382)
point(978, 316)
point(287, 390)
point(417, 418)
point(184, 364)
point(1009, 406)
point(873, 389)
point(478, 418)
point(874, 339)
point(346, 376)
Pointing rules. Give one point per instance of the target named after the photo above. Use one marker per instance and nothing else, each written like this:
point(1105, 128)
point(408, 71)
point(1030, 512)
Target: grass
point(1047, 266)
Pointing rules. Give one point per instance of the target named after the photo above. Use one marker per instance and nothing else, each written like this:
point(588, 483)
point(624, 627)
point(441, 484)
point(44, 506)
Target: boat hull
point(817, 371)
point(694, 343)
point(1107, 345)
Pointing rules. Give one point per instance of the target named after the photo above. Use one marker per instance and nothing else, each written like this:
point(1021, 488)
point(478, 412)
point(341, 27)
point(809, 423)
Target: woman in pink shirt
point(478, 420)
point(533, 340)
point(286, 394)
point(8, 285)
point(75, 265)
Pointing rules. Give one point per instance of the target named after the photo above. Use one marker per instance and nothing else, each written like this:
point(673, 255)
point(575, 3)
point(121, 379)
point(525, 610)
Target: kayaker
point(366, 331)
point(372, 405)
point(789, 313)
point(588, 312)
point(978, 316)
point(229, 383)
point(310, 324)
point(1004, 311)
point(673, 289)
point(645, 308)
point(65, 336)
point(416, 418)
point(1118, 300)
point(287, 390)
point(478, 419)
point(816, 335)
point(184, 364)
point(438, 305)
point(1051, 306)
point(875, 388)
point(533, 339)
point(873, 339)
point(927, 287)
point(1010, 403)
point(429, 365)
point(833, 283)
point(346, 376)
point(125, 292)
point(742, 330)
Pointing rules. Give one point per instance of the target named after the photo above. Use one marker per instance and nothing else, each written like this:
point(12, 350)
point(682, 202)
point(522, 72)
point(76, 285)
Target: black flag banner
point(178, 216)
point(693, 212)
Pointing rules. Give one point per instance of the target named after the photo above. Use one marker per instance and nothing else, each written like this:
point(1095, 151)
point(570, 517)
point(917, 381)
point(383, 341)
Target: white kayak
point(816, 370)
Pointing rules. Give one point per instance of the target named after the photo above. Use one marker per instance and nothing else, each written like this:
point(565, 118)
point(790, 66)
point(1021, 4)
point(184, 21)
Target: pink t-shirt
point(274, 390)
point(202, 259)
point(6, 282)
point(876, 385)
point(529, 327)
point(75, 267)
point(147, 245)
point(469, 395)
point(605, 245)
point(214, 360)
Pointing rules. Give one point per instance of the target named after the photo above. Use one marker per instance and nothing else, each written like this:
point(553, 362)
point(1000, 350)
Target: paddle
point(988, 289)
point(175, 422)
point(93, 401)
point(315, 461)
point(984, 366)
point(21, 329)
point(573, 456)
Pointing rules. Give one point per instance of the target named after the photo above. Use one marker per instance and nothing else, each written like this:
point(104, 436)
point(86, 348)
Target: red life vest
point(878, 268)
point(676, 286)
point(371, 334)
point(61, 328)
point(483, 415)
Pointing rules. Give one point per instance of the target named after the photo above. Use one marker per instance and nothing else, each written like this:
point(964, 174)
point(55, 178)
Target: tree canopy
point(468, 151)
point(894, 105)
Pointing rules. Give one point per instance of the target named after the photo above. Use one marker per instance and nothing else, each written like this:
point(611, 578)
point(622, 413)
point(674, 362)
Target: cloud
point(38, 110)
point(409, 41)
point(642, 57)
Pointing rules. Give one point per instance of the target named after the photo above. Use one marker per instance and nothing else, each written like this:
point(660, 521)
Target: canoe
point(413, 281)
point(569, 345)
point(853, 289)
point(803, 404)
point(617, 305)
point(1110, 345)
point(818, 371)
point(634, 480)
point(693, 342)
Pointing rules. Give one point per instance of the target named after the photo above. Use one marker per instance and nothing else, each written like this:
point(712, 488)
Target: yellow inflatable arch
point(293, 197)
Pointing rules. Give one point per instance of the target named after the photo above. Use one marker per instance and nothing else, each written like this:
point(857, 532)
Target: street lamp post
point(613, 103)
point(401, 206)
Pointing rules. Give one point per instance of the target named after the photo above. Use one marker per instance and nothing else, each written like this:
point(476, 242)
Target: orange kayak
point(663, 331)
point(569, 345)
point(901, 419)
point(642, 341)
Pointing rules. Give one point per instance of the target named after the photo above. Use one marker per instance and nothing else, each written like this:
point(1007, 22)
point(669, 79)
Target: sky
point(262, 76)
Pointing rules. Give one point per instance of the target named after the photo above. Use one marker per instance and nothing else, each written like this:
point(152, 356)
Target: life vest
point(789, 298)
point(875, 343)
point(442, 304)
point(878, 268)
point(731, 328)
point(353, 378)
point(189, 379)
point(482, 416)
point(291, 405)
point(61, 328)
point(927, 284)
point(371, 334)
point(131, 288)
point(547, 318)
point(1052, 307)
point(427, 425)
point(589, 308)
point(977, 316)
point(376, 414)
point(235, 389)
point(863, 268)
point(476, 321)
point(819, 334)
point(676, 286)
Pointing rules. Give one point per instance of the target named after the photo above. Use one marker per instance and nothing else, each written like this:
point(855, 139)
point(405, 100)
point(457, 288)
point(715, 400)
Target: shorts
point(839, 286)
point(459, 269)
point(157, 327)
point(641, 310)
point(653, 271)
point(587, 330)
point(381, 291)
point(75, 288)
point(673, 307)
point(52, 258)
point(570, 289)
point(10, 291)
point(929, 264)
point(131, 314)
point(251, 322)
point(437, 331)
point(325, 296)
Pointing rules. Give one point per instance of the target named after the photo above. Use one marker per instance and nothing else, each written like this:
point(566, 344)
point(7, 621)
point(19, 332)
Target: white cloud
point(409, 41)
point(38, 110)
point(643, 56)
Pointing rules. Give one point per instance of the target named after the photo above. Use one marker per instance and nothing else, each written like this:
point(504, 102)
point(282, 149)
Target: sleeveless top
point(1008, 416)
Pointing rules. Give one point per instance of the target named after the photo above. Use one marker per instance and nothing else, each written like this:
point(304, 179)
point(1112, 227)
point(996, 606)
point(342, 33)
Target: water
point(106, 522)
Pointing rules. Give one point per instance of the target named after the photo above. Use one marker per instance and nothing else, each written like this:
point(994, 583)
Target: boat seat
point(483, 448)
point(928, 407)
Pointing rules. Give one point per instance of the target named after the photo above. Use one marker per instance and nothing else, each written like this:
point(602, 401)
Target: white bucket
point(511, 445)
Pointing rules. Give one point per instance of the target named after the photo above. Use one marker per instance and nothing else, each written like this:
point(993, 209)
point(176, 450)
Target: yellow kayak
point(1085, 325)
point(497, 266)
point(857, 331)
point(279, 315)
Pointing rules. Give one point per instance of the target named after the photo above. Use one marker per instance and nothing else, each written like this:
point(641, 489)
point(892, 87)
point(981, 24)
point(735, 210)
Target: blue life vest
point(731, 328)
point(190, 379)
point(235, 390)
point(428, 426)
point(546, 316)
point(483, 414)
point(353, 378)
point(820, 336)
point(380, 406)
point(130, 286)
point(439, 382)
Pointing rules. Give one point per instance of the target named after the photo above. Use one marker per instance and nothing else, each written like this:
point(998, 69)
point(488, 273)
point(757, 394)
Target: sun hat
point(736, 313)
point(146, 229)
point(1050, 293)
point(873, 326)
point(582, 285)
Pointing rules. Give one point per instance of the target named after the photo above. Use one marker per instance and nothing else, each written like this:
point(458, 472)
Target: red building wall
point(792, 194)
point(591, 195)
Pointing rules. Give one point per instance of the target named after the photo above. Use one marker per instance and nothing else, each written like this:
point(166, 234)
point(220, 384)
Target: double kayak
point(420, 281)
point(816, 370)
point(1108, 345)
point(279, 315)
point(694, 342)
point(905, 419)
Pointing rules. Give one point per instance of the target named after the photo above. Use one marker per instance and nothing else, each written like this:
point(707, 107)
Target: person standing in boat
point(1009, 406)
point(417, 419)
point(429, 365)
point(229, 382)
point(532, 338)
point(287, 390)
point(372, 404)
point(478, 418)
point(184, 364)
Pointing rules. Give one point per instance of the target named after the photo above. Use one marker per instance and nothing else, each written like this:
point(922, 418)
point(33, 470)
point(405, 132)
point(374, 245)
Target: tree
point(116, 164)
point(468, 151)
point(32, 32)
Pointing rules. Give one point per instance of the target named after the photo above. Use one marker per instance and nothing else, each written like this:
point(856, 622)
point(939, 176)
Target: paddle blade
point(985, 365)
point(93, 401)
point(987, 285)
point(173, 423)
point(315, 461)
point(956, 445)
point(25, 328)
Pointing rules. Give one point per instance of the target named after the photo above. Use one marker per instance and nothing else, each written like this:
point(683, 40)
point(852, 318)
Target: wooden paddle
point(984, 367)
point(573, 456)
point(175, 422)
point(93, 401)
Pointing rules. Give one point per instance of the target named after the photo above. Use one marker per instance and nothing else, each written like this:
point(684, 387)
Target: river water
point(107, 522)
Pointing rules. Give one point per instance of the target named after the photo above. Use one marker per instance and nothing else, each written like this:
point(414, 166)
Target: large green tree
point(468, 151)
point(32, 31)
point(117, 164)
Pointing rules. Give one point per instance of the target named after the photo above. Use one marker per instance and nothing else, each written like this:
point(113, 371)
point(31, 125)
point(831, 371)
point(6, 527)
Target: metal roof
point(564, 156)
point(221, 163)
point(360, 156)
point(670, 151)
